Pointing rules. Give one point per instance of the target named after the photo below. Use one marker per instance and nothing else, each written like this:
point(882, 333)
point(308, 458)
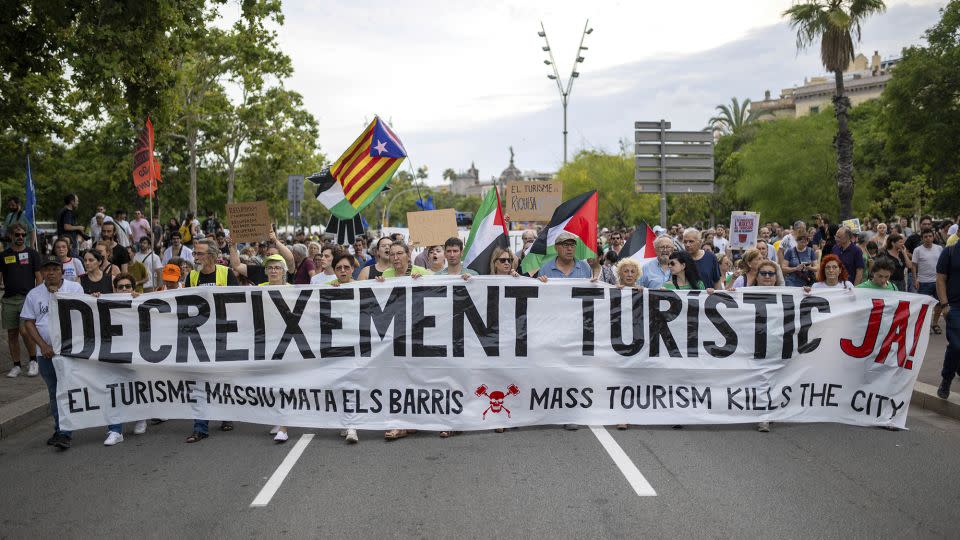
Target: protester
point(657, 272)
point(117, 254)
point(720, 241)
point(20, 267)
point(765, 236)
point(304, 269)
point(35, 316)
point(683, 271)
point(565, 265)
point(123, 284)
point(211, 226)
point(95, 281)
point(360, 253)
point(799, 264)
point(528, 237)
point(435, 258)
point(326, 258)
point(136, 269)
point(139, 228)
point(255, 272)
point(707, 267)
point(106, 265)
point(170, 277)
point(276, 268)
point(72, 266)
point(849, 254)
point(749, 266)
point(903, 261)
point(726, 269)
point(832, 274)
point(400, 260)
point(948, 293)
point(502, 263)
point(343, 265)
point(881, 236)
point(925, 257)
point(15, 214)
point(151, 262)
point(176, 249)
point(453, 253)
point(67, 222)
point(209, 273)
point(768, 275)
point(616, 244)
point(881, 271)
point(381, 260)
point(628, 274)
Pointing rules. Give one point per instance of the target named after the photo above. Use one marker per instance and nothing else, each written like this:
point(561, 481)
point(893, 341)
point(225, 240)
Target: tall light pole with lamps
point(564, 92)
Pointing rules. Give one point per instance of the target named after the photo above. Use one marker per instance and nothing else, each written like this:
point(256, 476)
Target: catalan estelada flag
point(361, 173)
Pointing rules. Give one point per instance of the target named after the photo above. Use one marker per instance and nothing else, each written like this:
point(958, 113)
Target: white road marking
point(273, 484)
point(623, 462)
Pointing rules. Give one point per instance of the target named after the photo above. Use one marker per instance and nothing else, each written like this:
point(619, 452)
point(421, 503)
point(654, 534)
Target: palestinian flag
point(489, 231)
point(578, 216)
point(640, 246)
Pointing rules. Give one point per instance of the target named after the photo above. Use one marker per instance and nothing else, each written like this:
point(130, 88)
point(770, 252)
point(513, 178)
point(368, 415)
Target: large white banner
point(441, 353)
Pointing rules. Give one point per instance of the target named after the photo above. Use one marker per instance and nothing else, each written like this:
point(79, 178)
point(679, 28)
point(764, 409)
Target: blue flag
point(426, 204)
point(31, 197)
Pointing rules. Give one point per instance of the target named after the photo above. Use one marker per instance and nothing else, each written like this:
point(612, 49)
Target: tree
point(835, 23)
point(732, 118)
point(449, 175)
point(612, 177)
point(921, 113)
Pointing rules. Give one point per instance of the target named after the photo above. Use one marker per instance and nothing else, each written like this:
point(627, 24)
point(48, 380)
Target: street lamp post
point(564, 92)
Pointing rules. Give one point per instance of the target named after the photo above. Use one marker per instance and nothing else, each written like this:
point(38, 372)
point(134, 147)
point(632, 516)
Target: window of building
point(815, 109)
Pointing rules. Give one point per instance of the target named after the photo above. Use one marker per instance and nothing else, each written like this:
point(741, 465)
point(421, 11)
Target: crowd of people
point(113, 255)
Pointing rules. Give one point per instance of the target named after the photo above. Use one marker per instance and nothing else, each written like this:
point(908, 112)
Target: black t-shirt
point(66, 217)
point(104, 286)
point(949, 265)
point(19, 271)
point(256, 274)
point(120, 255)
point(211, 226)
point(912, 242)
point(211, 279)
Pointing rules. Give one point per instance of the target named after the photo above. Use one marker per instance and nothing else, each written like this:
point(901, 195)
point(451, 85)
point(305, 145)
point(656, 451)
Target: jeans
point(116, 428)
point(49, 375)
point(910, 277)
point(201, 426)
point(929, 289)
point(951, 358)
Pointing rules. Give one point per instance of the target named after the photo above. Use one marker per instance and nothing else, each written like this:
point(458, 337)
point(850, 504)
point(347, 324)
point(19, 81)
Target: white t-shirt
point(152, 263)
point(839, 285)
point(37, 304)
point(73, 269)
point(788, 242)
point(185, 254)
point(926, 261)
point(721, 244)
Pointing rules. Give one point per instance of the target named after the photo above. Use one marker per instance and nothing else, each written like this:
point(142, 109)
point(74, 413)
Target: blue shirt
point(852, 259)
point(949, 265)
point(708, 268)
point(580, 270)
point(653, 276)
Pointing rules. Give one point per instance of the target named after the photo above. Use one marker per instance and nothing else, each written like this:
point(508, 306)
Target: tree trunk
point(231, 177)
point(192, 143)
point(844, 145)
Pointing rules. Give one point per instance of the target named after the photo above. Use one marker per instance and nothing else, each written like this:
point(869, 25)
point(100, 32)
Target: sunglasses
point(767, 274)
point(124, 286)
point(505, 260)
point(19, 235)
point(343, 268)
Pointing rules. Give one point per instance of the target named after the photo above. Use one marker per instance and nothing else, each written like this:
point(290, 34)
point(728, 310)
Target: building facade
point(468, 182)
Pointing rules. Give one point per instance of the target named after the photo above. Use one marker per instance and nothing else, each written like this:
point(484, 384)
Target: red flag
point(146, 168)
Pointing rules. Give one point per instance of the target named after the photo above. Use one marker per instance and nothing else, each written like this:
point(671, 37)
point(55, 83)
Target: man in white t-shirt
point(35, 317)
point(925, 256)
point(720, 242)
point(151, 262)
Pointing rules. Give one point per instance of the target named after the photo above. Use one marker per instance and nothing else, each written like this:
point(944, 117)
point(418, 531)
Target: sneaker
point(280, 437)
point(14, 372)
point(140, 427)
point(343, 433)
point(34, 369)
point(53, 439)
point(113, 438)
point(63, 441)
point(351, 436)
point(943, 392)
point(763, 427)
point(571, 427)
point(274, 430)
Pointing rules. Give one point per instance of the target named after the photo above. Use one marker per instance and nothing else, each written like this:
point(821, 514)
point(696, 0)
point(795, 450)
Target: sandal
point(196, 436)
point(395, 434)
point(936, 329)
point(226, 426)
point(445, 434)
point(157, 421)
point(621, 427)
point(500, 430)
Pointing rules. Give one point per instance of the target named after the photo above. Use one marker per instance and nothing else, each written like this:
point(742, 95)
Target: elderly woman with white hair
point(305, 269)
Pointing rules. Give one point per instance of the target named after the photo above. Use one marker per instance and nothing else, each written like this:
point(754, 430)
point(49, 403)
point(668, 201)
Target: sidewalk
point(23, 401)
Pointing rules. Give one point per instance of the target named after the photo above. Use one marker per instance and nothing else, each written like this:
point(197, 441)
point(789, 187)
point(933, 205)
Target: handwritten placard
point(743, 229)
point(532, 201)
point(432, 227)
point(249, 221)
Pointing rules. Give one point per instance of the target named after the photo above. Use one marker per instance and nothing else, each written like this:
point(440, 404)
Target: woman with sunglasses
point(768, 275)
point(275, 267)
point(683, 273)
point(501, 263)
point(124, 284)
point(344, 264)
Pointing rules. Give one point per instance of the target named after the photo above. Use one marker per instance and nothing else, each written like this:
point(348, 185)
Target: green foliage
point(612, 177)
point(835, 23)
point(732, 118)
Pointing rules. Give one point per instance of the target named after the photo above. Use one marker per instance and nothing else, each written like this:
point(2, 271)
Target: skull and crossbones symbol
point(496, 398)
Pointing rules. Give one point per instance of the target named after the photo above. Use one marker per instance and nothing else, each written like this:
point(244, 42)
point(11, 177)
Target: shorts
point(12, 305)
point(929, 289)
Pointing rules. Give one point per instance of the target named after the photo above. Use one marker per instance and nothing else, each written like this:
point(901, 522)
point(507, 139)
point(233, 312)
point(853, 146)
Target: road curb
point(24, 412)
point(925, 397)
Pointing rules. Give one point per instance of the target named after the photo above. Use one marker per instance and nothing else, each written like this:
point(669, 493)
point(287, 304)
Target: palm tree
point(733, 117)
point(835, 23)
point(449, 175)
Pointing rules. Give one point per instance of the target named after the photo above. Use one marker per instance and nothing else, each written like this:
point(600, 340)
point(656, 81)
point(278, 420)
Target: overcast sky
point(462, 81)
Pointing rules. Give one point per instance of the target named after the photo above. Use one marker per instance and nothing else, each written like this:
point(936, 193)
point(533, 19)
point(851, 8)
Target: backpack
point(185, 233)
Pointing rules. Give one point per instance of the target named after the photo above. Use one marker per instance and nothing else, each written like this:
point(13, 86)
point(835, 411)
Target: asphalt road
point(810, 481)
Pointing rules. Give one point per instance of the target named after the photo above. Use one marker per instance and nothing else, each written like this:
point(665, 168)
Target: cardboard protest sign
point(853, 225)
point(743, 229)
point(432, 227)
point(532, 201)
point(249, 221)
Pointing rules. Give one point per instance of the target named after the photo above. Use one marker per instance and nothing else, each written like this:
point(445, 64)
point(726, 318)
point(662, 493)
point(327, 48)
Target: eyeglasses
point(124, 286)
point(19, 235)
point(505, 260)
point(274, 268)
point(567, 244)
point(767, 274)
point(343, 268)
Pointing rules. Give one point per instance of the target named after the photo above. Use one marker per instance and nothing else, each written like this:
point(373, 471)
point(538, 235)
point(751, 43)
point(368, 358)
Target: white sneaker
point(343, 433)
point(352, 436)
point(14, 372)
point(113, 438)
point(140, 427)
point(763, 427)
point(34, 369)
point(274, 430)
point(280, 437)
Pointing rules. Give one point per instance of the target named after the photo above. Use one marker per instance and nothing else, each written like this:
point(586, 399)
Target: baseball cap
point(564, 236)
point(274, 258)
point(50, 260)
point(171, 272)
point(952, 230)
